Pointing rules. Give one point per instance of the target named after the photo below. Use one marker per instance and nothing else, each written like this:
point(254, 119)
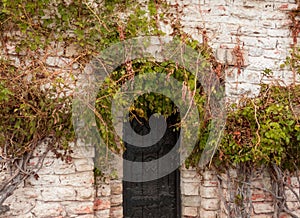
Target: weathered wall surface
point(208, 195)
point(62, 190)
point(260, 29)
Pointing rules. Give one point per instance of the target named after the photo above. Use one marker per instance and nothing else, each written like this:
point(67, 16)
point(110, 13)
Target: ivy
point(30, 114)
point(82, 23)
point(260, 131)
point(79, 22)
point(148, 103)
point(264, 130)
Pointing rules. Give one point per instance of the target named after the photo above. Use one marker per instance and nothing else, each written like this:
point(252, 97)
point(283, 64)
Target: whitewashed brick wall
point(62, 190)
point(260, 27)
point(211, 194)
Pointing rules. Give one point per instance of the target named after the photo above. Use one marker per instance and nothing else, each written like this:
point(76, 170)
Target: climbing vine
point(35, 93)
point(264, 130)
point(35, 102)
point(32, 113)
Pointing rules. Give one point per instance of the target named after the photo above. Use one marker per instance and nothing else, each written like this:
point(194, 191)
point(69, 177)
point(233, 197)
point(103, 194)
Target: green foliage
point(264, 130)
point(33, 27)
point(36, 24)
point(148, 103)
point(91, 26)
point(4, 92)
point(293, 61)
point(31, 113)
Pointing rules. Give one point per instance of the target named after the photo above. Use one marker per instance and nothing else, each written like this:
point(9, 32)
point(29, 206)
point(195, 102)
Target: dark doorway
point(158, 198)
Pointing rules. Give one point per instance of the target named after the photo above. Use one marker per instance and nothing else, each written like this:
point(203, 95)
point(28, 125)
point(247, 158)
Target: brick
point(208, 183)
point(78, 179)
point(258, 64)
point(253, 31)
point(256, 52)
point(247, 14)
point(86, 164)
point(262, 207)
point(275, 54)
point(264, 182)
point(297, 213)
point(189, 173)
point(83, 151)
point(251, 75)
point(232, 76)
point(268, 24)
point(190, 211)
point(209, 192)
point(116, 188)
point(262, 216)
point(267, 42)
point(61, 167)
point(84, 194)
point(284, 215)
point(61, 193)
point(290, 196)
point(210, 204)
point(48, 167)
point(79, 208)
point(284, 6)
point(261, 196)
point(50, 209)
point(293, 205)
point(189, 180)
point(209, 175)
point(186, 18)
point(231, 57)
point(116, 200)
point(45, 180)
point(279, 32)
point(208, 214)
point(27, 192)
point(103, 190)
point(28, 215)
point(243, 89)
point(275, 15)
point(190, 188)
point(116, 212)
point(191, 201)
point(251, 41)
point(102, 203)
point(19, 205)
point(102, 214)
point(86, 216)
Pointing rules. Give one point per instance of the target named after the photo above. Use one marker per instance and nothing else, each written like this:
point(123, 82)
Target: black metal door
point(158, 198)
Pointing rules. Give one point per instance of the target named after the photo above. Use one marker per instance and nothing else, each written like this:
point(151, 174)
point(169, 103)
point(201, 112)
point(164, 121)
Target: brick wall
point(108, 202)
point(206, 195)
point(62, 190)
point(260, 28)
